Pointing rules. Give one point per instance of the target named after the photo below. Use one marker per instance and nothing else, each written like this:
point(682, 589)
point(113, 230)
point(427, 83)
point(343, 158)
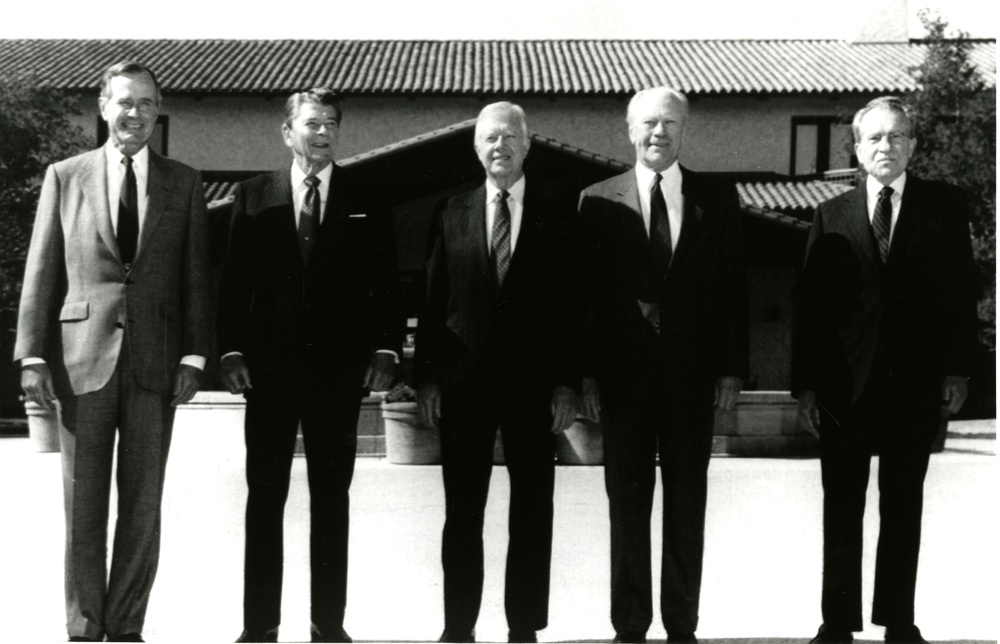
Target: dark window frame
point(824, 126)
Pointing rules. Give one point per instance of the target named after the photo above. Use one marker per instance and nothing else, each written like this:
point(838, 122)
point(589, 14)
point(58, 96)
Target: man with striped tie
point(884, 333)
point(496, 348)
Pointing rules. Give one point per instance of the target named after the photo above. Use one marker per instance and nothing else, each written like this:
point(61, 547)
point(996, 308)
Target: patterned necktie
point(501, 236)
point(882, 221)
point(660, 243)
point(308, 218)
point(128, 215)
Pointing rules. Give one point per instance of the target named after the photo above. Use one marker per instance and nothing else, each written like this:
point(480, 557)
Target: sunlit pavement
point(762, 564)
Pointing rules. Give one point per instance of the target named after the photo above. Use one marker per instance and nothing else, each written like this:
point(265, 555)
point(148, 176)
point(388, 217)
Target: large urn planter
point(43, 426)
point(581, 444)
point(407, 442)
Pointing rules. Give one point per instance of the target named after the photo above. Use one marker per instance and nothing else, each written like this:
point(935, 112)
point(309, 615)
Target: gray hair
point(892, 104)
point(504, 107)
point(665, 91)
point(128, 67)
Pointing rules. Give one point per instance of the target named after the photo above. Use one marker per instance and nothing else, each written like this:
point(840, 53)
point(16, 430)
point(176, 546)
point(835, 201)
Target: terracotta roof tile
point(496, 67)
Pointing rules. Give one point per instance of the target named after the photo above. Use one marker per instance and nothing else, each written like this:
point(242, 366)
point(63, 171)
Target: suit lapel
point(859, 226)
point(909, 217)
point(527, 237)
point(335, 213)
point(472, 225)
point(157, 189)
point(95, 182)
point(691, 220)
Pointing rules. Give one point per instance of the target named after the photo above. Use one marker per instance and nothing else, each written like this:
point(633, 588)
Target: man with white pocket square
point(308, 318)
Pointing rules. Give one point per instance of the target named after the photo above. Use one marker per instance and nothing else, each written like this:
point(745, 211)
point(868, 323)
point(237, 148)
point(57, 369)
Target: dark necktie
point(882, 221)
point(660, 244)
point(501, 236)
point(128, 215)
point(308, 218)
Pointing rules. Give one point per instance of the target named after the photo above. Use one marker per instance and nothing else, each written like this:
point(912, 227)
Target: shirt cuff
point(198, 362)
point(27, 361)
point(394, 355)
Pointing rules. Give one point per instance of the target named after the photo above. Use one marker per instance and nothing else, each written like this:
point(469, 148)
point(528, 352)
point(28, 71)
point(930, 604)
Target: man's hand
point(235, 375)
point(809, 412)
point(186, 383)
point(954, 391)
point(591, 400)
point(36, 381)
point(429, 404)
point(380, 372)
point(564, 409)
point(727, 390)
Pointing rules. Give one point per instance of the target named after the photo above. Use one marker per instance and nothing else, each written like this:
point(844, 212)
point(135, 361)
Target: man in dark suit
point(495, 347)
point(308, 316)
point(113, 323)
point(885, 328)
point(667, 346)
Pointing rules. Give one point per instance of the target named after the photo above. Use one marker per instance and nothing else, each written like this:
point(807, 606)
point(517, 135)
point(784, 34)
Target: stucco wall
point(725, 134)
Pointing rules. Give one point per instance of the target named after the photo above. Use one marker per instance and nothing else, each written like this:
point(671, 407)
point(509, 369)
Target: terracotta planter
point(43, 427)
point(581, 444)
point(407, 442)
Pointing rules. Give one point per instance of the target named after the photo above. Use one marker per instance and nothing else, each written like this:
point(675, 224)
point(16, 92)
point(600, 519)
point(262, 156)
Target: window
point(158, 140)
point(821, 143)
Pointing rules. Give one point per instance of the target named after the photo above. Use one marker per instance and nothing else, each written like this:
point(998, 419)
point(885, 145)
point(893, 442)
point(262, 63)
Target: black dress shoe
point(633, 637)
point(457, 636)
point(832, 635)
point(337, 634)
point(81, 638)
point(248, 635)
point(681, 636)
point(517, 635)
point(126, 637)
point(909, 634)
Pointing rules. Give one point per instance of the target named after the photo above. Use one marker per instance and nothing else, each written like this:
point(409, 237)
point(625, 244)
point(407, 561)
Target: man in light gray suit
point(114, 323)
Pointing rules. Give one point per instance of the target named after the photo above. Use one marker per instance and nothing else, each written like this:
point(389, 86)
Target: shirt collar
point(298, 176)
point(140, 160)
point(874, 187)
point(516, 191)
point(672, 175)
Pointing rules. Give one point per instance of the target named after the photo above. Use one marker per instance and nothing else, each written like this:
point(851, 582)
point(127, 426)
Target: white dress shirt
point(515, 203)
point(874, 187)
point(671, 184)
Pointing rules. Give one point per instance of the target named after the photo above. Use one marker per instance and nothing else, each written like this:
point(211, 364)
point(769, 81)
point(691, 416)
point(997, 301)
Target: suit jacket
point(702, 296)
point(282, 314)
point(78, 299)
point(916, 313)
point(473, 332)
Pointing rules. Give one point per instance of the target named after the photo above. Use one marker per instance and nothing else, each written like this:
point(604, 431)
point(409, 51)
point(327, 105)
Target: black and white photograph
point(541, 321)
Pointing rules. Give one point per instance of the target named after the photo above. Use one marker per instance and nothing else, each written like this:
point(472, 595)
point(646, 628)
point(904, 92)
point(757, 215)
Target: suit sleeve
point(236, 282)
point(736, 357)
point(195, 276)
point(587, 235)
point(387, 312)
point(566, 302)
point(958, 297)
point(44, 279)
point(804, 323)
point(431, 321)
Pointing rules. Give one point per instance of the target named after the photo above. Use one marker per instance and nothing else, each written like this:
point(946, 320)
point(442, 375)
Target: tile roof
point(487, 67)
point(789, 195)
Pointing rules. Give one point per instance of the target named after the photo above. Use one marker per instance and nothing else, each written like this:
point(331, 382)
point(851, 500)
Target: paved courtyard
point(762, 567)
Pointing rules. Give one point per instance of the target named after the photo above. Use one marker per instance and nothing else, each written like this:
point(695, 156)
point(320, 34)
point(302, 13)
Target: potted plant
point(43, 426)
point(407, 442)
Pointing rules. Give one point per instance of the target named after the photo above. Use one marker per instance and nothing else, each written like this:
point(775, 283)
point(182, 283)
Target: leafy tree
point(35, 131)
point(955, 124)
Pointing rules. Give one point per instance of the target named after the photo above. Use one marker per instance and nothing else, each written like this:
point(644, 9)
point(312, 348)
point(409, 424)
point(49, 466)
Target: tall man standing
point(308, 316)
point(667, 346)
point(885, 330)
point(495, 347)
point(113, 322)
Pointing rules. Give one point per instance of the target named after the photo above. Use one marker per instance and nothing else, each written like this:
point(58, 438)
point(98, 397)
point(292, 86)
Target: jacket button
point(120, 325)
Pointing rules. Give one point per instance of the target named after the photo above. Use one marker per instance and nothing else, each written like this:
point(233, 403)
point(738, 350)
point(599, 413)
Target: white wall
point(725, 133)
